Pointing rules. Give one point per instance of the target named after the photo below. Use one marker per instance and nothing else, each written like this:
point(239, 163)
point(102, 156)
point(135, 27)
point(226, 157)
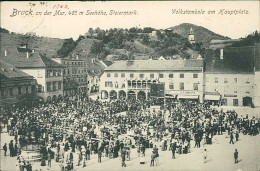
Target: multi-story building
point(229, 76)
point(47, 72)
point(74, 75)
point(183, 79)
point(16, 87)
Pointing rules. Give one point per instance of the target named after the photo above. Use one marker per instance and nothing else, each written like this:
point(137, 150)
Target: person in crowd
point(5, 149)
point(237, 136)
point(123, 159)
point(99, 155)
point(173, 148)
point(236, 156)
point(231, 138)
point(49, 159)
point(11, 148)
point(153, 156)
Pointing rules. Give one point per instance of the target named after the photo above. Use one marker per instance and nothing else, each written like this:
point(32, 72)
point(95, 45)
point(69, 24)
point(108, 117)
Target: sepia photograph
point(130, 85)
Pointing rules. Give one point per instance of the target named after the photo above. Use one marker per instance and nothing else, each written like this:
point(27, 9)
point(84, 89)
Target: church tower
point(191, 36)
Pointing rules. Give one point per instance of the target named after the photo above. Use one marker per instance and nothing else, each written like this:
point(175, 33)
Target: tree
point(148, 30)
point(97, 48)
point(145, 39)
point(91, 32)
point(67, 47)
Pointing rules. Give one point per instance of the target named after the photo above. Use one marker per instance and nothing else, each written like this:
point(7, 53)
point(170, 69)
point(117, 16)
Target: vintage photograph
point(141, 85)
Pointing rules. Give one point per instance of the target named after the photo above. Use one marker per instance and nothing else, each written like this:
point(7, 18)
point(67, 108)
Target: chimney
point(5, 52)
point(27, 54)
point(33, 50)
point(77, 56)
point(221, 54)
point(92, 60)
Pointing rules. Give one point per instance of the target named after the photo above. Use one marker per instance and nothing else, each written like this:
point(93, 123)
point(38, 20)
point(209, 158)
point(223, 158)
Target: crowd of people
point(71, 131)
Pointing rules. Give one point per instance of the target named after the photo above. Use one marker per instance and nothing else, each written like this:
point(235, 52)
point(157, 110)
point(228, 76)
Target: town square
point(150, 86)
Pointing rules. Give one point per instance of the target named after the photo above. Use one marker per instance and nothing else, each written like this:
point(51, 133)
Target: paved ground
point(220, 156)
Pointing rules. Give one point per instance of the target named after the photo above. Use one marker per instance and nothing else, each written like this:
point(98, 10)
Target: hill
point(201, 34)
point(46, 45)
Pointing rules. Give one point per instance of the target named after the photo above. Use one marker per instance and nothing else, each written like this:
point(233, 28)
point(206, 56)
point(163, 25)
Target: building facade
point(48, 73)
point(16, 86)
point(74, 75)
point(183, 79)
point(229, 76)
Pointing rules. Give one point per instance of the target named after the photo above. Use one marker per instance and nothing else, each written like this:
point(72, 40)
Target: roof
point(107, 63)
point(156, 65)
point(35, 60)
point(9, 71)
point(235, 60)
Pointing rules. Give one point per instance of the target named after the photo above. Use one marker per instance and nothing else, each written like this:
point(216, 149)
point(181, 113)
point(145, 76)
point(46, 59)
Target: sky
point(149, 14)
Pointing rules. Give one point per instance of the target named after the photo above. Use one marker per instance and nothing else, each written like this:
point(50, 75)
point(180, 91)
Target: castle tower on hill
point(191, 36)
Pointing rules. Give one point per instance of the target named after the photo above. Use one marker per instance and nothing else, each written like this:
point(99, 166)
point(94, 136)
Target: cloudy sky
point(149, 14)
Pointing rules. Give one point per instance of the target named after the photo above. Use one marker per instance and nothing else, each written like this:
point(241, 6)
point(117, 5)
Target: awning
point(170, 95)
point(187, 97)
point(212, 97)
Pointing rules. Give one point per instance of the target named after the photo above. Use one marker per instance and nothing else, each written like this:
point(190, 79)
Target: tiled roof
point(156, 65)
point(9, 71)
point(235, 60)
point(20, 60)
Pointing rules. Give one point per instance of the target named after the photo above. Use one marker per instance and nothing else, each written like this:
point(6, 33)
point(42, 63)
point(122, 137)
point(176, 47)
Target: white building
point(183, 79)
point(47, 72)
point(229, 76)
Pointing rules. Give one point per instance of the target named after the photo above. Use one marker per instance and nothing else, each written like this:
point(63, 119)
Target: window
point(131, 75)
point(247, 80)
point(170, 75)
point(2, 92)
point(235, 80)
point(235, 92)
point(181, 86)
point(160, 75)
point(181, 75)
point(235, 102)
point(108, 75)
point(39, 88)
point(48, 86)
point(195, 75)
point(151, 75)
point(116, 85)
point(195, 86)
point(216, 80)
point(225, 80)
point(11, 92)
point(141, 75)
point(59, 85)
point(19, 90)
point(123, 85)
point(123, 75)
point(247, 92)
point(54, 88)
point(27, 89)
point(108, 84)
point(116, 75)
point(171, 86)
